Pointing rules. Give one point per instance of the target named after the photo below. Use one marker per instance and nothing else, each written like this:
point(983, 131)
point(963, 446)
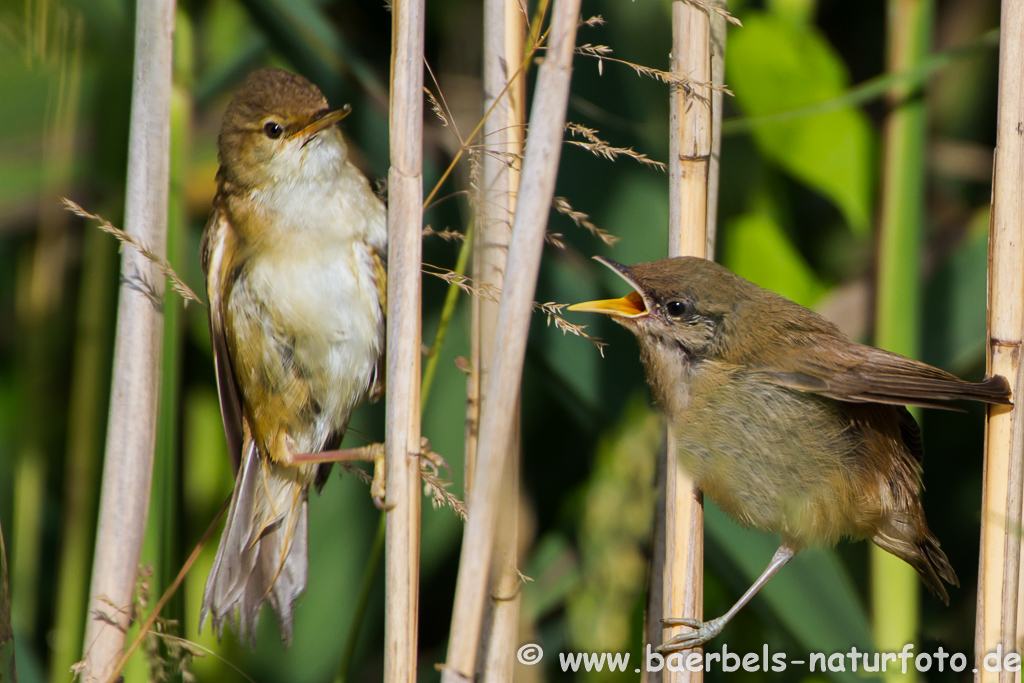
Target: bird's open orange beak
point(629, 306)
point(633, 305)
point(324, 122)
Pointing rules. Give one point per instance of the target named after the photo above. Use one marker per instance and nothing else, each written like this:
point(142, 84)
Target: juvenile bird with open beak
point(294, 256)
point(784, 422)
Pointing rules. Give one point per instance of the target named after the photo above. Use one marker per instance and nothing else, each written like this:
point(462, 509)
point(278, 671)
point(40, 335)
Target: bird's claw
point(378, 488)
point(702, 632)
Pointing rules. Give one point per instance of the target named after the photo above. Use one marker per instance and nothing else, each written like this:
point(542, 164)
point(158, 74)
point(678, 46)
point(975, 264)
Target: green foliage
point(798, 201)
point(754, 234)
point(614, 528)
point(776, 65)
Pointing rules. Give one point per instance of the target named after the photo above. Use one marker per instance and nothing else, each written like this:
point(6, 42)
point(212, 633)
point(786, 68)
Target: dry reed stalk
point(131, 430)
point(402, 429)
point(504, 35)
point(999, 575)
point(540, 165)
point(719, 26)
point(677, 576)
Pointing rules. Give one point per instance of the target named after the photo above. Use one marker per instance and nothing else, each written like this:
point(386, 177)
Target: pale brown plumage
point(785, 423)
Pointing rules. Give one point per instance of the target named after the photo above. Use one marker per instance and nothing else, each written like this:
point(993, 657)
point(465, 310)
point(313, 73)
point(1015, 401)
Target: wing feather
point(856, 373)
point(215, 258)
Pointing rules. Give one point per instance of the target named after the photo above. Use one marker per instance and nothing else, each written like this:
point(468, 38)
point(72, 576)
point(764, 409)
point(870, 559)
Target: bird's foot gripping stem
point(702, 632)
point(431, 463)
point(373, 452)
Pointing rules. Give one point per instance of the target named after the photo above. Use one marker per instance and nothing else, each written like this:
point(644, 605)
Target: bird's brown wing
point(857, 373)
point(380, 278)
point(214, 257)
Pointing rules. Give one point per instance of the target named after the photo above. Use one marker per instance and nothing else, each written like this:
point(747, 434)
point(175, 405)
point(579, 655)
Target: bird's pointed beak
point(633, 305)
point(324, 122)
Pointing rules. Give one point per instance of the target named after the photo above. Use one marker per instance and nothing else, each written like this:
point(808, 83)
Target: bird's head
point(684, 305)
point(279, 128)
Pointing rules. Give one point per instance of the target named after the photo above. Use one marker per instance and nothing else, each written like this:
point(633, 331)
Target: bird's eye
point(675, 308)
point(272, 130)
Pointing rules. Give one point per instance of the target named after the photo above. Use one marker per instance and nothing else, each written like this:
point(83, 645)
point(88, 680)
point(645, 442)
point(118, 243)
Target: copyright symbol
point(530, 654)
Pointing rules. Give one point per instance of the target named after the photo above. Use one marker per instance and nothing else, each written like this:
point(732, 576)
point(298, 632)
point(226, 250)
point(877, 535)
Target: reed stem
point(497, 423)
point(131, 430)
point(999, 567)
point(677, 579)
point(402, 428)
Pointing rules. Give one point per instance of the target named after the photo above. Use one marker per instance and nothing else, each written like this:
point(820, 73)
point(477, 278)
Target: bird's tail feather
point(920, 549)
point(262, 552)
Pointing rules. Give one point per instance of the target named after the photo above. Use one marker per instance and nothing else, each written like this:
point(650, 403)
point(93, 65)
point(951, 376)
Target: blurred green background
point(803, 165)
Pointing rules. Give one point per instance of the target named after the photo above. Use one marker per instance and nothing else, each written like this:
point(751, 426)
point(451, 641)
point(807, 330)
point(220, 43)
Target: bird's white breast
point(317, 274)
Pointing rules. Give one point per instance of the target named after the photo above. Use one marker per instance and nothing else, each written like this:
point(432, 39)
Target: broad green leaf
point(798, 11)
point(776, 65)
point(759, 250)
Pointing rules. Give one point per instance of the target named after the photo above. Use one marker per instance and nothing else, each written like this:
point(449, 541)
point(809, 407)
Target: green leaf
point(798, 11)
point(776, 65)
point(754, 235)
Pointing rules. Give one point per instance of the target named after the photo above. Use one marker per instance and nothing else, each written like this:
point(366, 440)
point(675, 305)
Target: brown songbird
point(294, 256)
point(784, 422)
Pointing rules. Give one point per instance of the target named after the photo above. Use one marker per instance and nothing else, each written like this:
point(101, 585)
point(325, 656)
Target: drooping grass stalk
point(146, 626)
point(497, 423)
point(999, 568)
point(677, 578)
point(503, 35)
point(131, 431)
point(402, 429)
point(895, 588)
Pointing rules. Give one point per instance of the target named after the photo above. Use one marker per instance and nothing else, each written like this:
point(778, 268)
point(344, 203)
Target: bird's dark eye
point(272, 130)
point(675, 308)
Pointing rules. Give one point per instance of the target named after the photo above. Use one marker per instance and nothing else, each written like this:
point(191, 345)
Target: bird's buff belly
point(767, 470)
point(308, 347)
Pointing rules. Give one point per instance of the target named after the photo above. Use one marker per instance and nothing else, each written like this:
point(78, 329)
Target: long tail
point(920, 549)
point(262, 552)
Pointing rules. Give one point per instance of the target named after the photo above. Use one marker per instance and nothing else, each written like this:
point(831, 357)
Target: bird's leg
point(374, 453)
point(703, 631)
